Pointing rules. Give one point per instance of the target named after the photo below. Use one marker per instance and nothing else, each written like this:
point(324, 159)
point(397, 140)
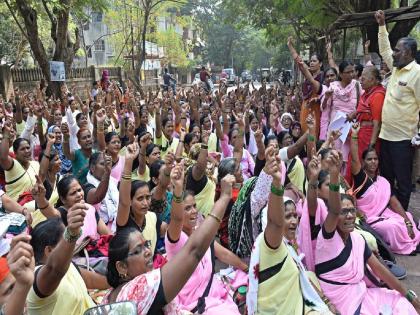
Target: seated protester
point(58, 146)
point(376, 201)
point(113, 147)
point(186, 141)
point(159, 188)
point(130, 269)
point(227, 145)
point(134, 203)
point(342, 257)
point(197, 177)
point(101, 189)
point(251, 126)
point(149, 153)
point(206, 126)
point(295, 170)
point(60, 287)
point(164, 133)
point(16, 275)
point(296, 132)
point(276, 285)
point(80, 157)
point(182, 225)
point(20, 171)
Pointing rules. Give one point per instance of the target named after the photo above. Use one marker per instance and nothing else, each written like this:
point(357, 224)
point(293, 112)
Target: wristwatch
point(71, 238)
point(411, 295)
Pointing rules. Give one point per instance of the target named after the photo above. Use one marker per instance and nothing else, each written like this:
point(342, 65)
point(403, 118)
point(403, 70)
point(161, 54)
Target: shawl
point(240, 222)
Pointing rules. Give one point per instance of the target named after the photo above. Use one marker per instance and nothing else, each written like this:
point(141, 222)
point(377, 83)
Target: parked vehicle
point(246, 76)
point(229, 75)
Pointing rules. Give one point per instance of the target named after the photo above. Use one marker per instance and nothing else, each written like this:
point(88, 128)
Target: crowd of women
point(112, 195)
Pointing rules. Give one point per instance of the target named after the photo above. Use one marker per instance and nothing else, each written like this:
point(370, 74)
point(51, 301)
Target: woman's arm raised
point(176, 272)
point(354, 150)
point(177, 211)
point(125, 186)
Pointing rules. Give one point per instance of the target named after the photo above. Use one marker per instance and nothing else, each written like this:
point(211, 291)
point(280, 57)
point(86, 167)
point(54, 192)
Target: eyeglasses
point(346, 211)
point(140, 249)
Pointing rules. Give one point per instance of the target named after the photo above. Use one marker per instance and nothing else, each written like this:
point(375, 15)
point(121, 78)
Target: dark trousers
point(396, 162)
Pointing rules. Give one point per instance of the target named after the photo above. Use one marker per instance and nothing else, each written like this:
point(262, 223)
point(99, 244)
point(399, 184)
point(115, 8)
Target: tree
point(27, 15)
point(310, 19)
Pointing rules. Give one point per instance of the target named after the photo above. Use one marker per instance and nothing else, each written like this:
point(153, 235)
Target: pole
point(344, 45)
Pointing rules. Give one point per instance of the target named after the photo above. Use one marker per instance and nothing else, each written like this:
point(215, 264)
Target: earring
point(123, 276)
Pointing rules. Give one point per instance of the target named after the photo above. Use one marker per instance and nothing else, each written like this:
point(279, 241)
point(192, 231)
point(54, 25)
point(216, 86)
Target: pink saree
point(305, 243)
point(341, 278)
point(390, 225)
point(218, 300)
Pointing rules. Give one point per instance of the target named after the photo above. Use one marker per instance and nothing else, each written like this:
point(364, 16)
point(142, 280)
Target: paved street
point(413, 263)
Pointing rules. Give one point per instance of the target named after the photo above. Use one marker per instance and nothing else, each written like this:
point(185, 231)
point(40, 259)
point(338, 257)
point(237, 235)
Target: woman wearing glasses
point(130, 267)
point(342, 257)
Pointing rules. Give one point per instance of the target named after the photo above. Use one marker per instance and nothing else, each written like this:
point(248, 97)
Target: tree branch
point(16, 20)
point(53, 21)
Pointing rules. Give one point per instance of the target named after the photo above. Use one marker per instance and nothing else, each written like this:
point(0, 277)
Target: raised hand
point(38, 190)
point(144, 141)
point(75, 217)
point(177, 175)
point(290, 41)
point(380, 17)
point(21, 260)
point(100, 116)
point(108, 163)
point(258, 135)
point(314, 167)
point(355, 128)
point(366, 45)
point(310, 122)
point(133, 150)
point(169, 161)
point(226, 185)
point(65, 129)
point(334, 162)
point(205, 135)
point(50, 139)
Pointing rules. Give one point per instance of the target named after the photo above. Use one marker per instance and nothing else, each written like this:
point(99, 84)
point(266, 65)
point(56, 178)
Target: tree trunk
point(142, 54)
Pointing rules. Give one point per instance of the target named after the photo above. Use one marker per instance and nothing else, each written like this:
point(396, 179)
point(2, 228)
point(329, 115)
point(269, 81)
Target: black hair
point(78, 116)
point(367, 151)
point(46, 233)
point(189, 137)
point(346, 197)
point(359, 69)
point(165, 121)
point(269, 138)
point(226, 166)
point(231, 132)
point(17, 142)
point(192, 127)
point(324, 152)
point(318, 56)
point(202, 119)
point(136, 185)
point(118, 251)
point(53, 154)
point(154, 172)
point(188, 193)
point(418, 57)
point(322, 177)
point(94, 159)
point(63, 185)
point(166, 70)
point(281, 136)
point(289, 202)
point(333, 70)
point(109, 136)
point(150, 147)
point(343, 65)
point(409, 44)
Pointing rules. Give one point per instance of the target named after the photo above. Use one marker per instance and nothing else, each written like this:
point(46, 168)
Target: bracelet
point(204, 146)
point(126, 177)
point(167, 175)
point(43, 208)
point(354, 137)
point(177, 199)
point(311, 138)
point(215, 217)
point(313, 185)
point(47, 156)
point(411, 295)
point(278, 191)
point(334, 187)
point(71, 238)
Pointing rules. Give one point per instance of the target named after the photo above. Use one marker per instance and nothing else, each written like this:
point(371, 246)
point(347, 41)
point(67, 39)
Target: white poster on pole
point(57, 71)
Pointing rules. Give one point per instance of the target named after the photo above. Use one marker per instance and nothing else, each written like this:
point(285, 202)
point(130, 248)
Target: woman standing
point(343, 96)
point(311, 88)
point(331, 75)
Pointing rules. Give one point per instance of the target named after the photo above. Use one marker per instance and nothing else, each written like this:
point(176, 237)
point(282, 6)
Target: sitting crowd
point(243, 200)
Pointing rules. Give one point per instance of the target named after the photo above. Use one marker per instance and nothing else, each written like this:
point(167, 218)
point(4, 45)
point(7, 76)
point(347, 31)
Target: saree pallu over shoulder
point(390, 225)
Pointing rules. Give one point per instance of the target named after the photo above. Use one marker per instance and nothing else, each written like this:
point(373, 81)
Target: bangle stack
point(278, 191)
point(311, 138)
point(126, 177)
point(355, 137)
point(215, 217)
point(204, 146)
point(334, 187)
point(408, 223)
point(177, 199)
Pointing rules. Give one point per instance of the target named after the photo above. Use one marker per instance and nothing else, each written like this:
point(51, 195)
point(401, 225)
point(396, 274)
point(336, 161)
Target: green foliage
point(175, 51)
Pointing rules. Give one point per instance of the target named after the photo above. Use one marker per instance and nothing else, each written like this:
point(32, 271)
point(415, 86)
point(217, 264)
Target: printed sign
point(57, 71)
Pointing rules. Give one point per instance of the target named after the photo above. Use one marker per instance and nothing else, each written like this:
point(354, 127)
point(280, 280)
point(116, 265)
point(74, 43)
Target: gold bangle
point(215, 217)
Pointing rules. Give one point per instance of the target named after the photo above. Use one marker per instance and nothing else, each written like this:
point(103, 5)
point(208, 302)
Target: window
point(86, 26)
point(100, 45)
point(96, 17)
